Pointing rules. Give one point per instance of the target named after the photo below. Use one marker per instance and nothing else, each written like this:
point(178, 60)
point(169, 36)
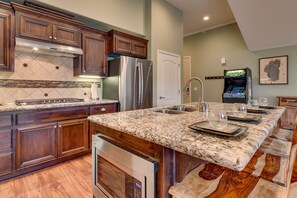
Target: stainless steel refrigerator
point(130, 82)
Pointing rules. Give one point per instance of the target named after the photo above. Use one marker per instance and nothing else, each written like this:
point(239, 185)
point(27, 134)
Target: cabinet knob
point(60, 126)
point(55, 127)
point(162, 97)
point(50, 37)
point(55, 38)
point(103, 109)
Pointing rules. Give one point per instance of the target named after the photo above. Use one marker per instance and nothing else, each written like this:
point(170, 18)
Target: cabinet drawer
point(51, 115)
point(101, 109)
point(5, 121)
point(5, 139)
point(5, 163)
point(288, 102)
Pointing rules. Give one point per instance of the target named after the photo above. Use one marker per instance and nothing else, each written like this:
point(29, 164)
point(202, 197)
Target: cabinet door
point(66, 34)
point(34, 27)
point(6, 40)
point(122, 45)
point(94, 59)
point(73, 137)
point(35, 145)
point(139, 49)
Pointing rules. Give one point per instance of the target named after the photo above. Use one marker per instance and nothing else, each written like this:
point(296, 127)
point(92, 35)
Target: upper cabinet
point(125, 44)
point(6, 37)
point(47, 26)
point(94, 59)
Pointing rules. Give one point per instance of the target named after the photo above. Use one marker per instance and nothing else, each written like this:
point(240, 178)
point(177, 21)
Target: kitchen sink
point(168, 111)
point(182, 108)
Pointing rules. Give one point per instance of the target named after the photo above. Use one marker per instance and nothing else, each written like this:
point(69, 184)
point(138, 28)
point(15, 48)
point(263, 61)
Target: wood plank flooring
point(70, 180)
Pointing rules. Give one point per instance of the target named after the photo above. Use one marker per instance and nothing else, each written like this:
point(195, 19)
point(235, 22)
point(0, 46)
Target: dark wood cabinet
point(35, 145)
point(125, 44)
point(46, 25)
point(34, 27)
point(73, 137)
point(289, 118)
point(6, 143)
point(5, 151)
point(94, 58)
point(35, 139)
point(6, 38)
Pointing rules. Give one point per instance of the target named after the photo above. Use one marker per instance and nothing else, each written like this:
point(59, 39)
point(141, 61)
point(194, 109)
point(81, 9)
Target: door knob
point(162, 97)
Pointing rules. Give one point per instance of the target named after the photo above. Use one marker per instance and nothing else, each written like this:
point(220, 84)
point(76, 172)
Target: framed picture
point(273, 70)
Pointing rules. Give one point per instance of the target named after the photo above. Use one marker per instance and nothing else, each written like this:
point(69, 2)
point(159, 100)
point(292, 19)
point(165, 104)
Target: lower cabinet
point(35, 139)
point(35, 145)
point(73, 137)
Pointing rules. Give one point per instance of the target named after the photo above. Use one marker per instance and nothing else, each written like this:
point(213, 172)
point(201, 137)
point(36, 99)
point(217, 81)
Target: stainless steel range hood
point(38, 47)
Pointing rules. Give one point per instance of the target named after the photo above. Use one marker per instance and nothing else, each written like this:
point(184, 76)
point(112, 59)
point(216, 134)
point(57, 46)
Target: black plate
point(199, 126)
point(260, 111)
point(249, 118)
point(267, 107)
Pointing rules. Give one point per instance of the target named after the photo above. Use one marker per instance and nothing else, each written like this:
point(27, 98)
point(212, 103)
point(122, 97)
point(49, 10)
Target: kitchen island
point(177, 148)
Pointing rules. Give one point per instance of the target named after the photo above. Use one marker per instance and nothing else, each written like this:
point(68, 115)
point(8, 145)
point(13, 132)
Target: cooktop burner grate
point(47, 101)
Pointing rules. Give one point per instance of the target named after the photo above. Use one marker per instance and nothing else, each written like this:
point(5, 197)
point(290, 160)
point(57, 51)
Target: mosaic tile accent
point(44, 84)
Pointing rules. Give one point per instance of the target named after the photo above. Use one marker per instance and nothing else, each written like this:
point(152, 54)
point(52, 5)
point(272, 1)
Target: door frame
point(190, 63)
point(159, 51)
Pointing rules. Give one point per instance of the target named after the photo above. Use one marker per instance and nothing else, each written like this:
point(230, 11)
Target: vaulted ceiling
point(264, 24)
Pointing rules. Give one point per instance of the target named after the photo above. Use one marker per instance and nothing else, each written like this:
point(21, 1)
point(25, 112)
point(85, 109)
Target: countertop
point(13, 107)
point(172, 131)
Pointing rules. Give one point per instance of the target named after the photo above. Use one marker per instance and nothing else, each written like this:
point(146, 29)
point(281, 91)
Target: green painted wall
point(166, 33)
point(206, 50)
point(125, 14)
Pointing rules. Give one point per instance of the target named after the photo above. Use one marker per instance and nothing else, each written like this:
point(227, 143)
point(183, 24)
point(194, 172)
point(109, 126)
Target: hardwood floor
point(71, 179)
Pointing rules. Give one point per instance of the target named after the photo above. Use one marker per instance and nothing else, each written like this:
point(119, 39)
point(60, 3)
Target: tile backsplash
point(39, 67)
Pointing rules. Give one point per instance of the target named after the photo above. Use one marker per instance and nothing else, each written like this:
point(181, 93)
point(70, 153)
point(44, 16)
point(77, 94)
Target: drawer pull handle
point(291, 101)
point(103, 109)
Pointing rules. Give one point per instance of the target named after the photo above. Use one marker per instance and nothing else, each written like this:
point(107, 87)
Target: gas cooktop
point(47, 101)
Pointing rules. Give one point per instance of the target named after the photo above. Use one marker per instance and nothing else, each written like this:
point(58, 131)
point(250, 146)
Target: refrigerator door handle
point(136, 92)
point(140, 85)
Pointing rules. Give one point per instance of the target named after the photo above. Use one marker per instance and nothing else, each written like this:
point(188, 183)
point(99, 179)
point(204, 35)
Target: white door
point(168, 78)
point(186, 77)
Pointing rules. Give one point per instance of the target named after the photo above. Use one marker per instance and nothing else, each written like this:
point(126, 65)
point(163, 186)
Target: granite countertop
point(172, 131)
point(13, 107)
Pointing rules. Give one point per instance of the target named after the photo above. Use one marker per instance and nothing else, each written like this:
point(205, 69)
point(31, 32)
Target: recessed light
point(206, 18)
point(35, 48)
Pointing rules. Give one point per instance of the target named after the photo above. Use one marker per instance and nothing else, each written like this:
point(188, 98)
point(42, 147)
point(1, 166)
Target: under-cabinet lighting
point(206, 18)
point(89, 76)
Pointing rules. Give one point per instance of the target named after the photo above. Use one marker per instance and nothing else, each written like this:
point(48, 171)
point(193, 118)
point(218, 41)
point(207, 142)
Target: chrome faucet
point(202, 105)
